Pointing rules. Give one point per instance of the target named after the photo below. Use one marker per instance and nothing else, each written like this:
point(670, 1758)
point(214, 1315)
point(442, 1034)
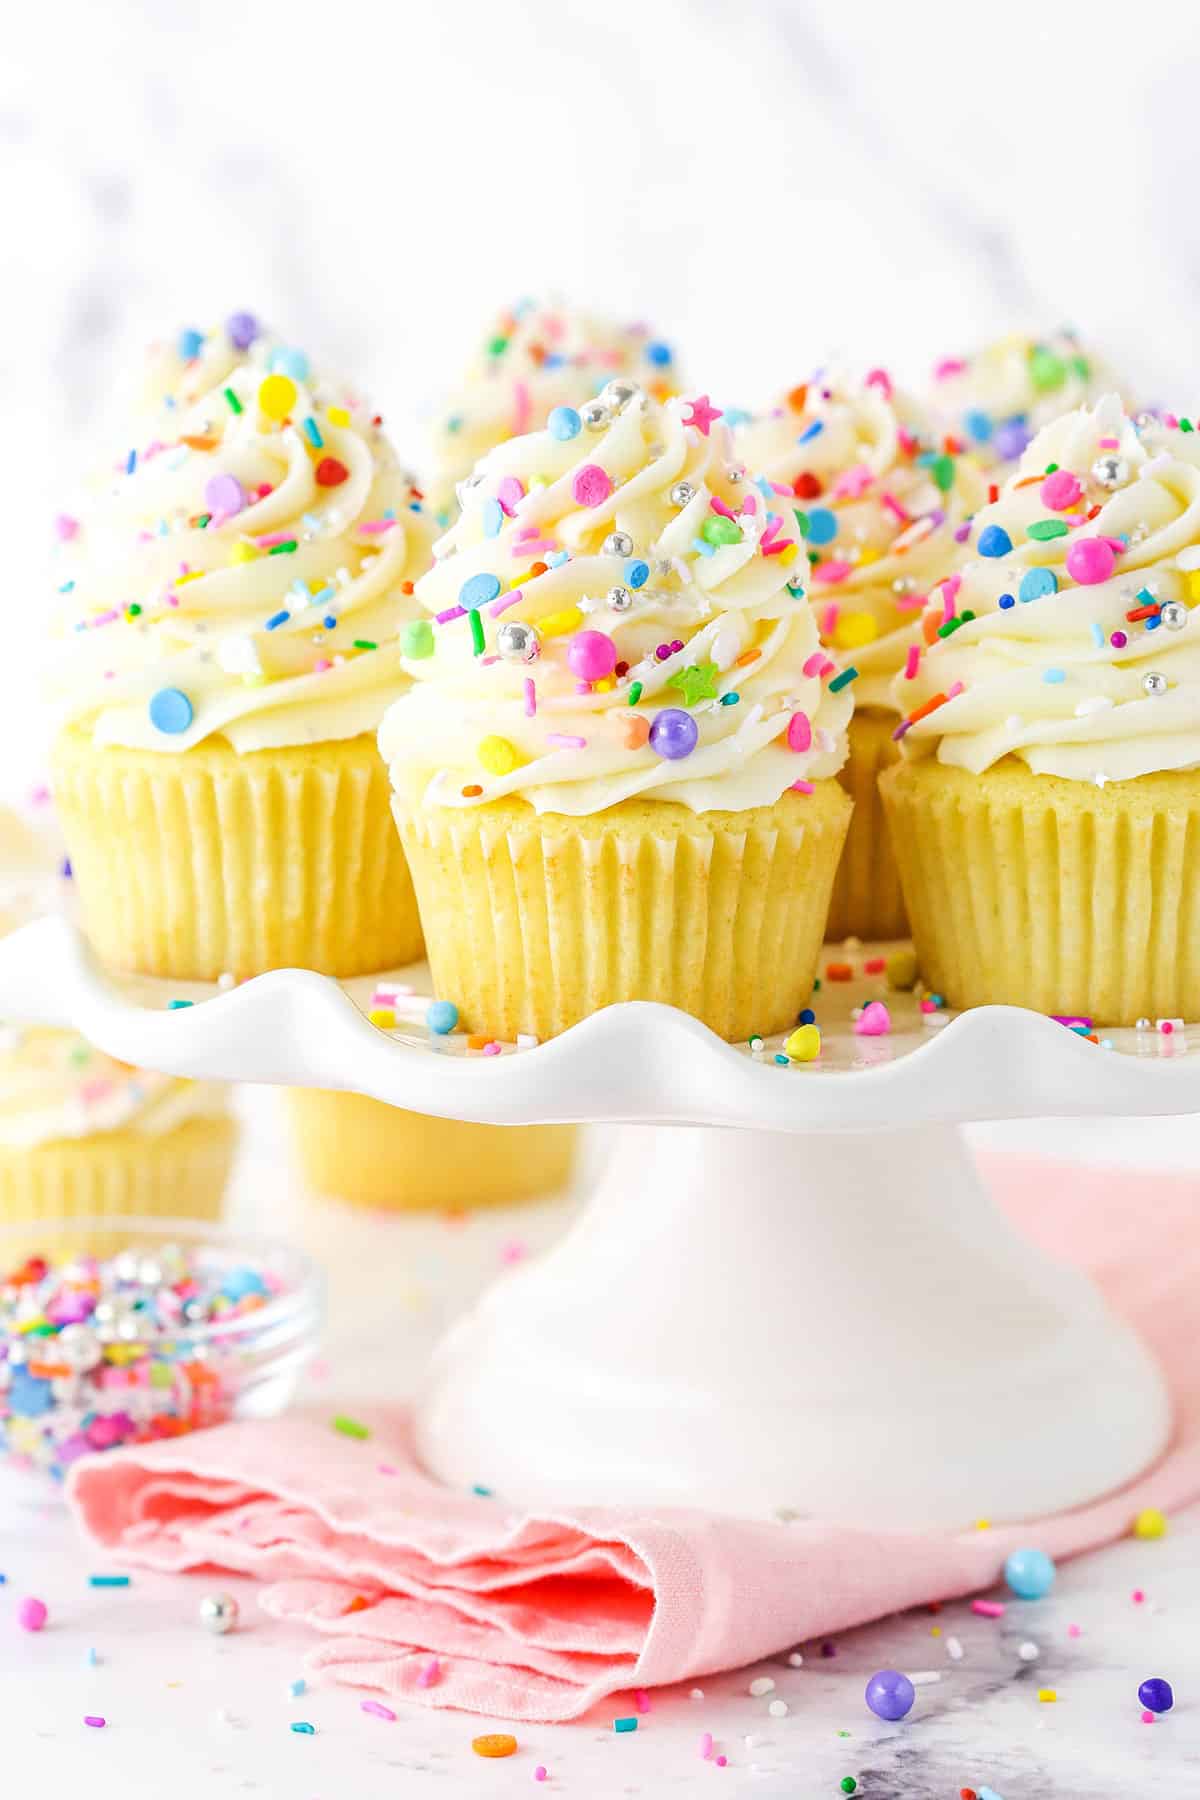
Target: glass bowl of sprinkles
point(124, 1331)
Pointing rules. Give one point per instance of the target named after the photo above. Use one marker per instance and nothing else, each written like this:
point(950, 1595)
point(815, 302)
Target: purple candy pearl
point(1156, 1695)
point(673, 733)
point(1010, 439)
point(890, 1695)
point(243, 328)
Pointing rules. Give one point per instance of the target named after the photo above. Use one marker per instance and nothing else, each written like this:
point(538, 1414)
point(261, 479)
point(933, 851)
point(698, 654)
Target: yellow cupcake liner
point(200, 863)
point(867, 900)
point(176, 1174)
point(535, 922)
point(1057, 895)
point(359, 1150)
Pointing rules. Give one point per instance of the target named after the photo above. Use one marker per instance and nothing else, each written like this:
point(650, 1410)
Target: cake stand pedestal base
point(770, 1324)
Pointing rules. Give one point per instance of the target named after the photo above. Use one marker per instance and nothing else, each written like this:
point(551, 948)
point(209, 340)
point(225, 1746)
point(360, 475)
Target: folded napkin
point(538, 1616)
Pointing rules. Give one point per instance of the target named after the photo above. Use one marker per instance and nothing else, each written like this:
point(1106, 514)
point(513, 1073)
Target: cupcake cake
point(535, 356)
point(999, 397)
point(1046, 815)
point(882, 505)
point(614, 771)
point(85, 1136)
point(227, 644)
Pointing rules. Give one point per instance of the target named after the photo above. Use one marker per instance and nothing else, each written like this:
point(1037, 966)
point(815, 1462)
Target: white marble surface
point(191, 1716)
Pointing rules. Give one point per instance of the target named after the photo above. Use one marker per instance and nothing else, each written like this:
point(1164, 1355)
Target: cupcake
point(360, 1150)
point(536, 356)
point(882, 505)
point(227, 646)
point(614, 771)
point(1046, 815)
point(998, 398)
point(85, 1136)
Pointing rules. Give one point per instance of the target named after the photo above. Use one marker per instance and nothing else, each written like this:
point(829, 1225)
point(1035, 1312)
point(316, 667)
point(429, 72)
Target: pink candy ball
point(31, 1614)
point(1060, 490)
point(592, 485)
point(1090, 560)
point(592, 655)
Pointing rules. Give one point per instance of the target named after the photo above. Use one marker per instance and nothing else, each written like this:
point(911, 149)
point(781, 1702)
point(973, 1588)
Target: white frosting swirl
point(535, 356)
point(710, 567)
point(883, 507)
point(1052, 669)
point(55, 1086)
point(999, 397)
point(251, 557)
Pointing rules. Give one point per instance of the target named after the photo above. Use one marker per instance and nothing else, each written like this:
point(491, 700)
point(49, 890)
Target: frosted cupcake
point(614, 771)
point(536, 356)
point(226, 649)
point(85, 1136)
point(882, 506)
point(997, 399)
point(1047, 814)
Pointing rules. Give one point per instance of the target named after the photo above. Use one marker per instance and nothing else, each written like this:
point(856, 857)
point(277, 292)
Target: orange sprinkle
point(359, 1603)
point(746, 658)
point(494, 1743)
point(538, 568)
point(200, 442)
point(49, 1371)
point(406, 587)
point(477, 1040)
point(929, 627)
point(472, 791)
point(634, 731)
point(931, 705)
point(1029, 480)
point(839, 972)
point(798, 397)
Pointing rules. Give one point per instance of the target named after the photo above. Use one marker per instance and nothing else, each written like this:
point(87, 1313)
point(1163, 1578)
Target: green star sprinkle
point(699, 682)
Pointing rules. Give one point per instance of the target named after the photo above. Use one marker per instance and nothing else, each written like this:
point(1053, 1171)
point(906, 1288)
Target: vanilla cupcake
point(615, 768)
point(882, 506)
point(85, 1136)
point(535, 356)
point(227, 646)
point(999, 397)
point(1047, 814)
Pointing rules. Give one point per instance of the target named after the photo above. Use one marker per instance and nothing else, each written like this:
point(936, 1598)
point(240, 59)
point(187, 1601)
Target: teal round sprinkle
point(416, 639)
point(637, 573)
point(290, 362)
point(441, 1016)
point(477, 590)
point(822, 526)
point(171, 711)
point(1054, 676)
point(564, 423)
point(783, 1061)
point(303, 1726)
point(730, 699)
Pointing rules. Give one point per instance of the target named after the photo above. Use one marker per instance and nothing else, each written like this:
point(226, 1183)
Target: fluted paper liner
point(867, 900)
point(1057, 895)
point(535, 922)
point(176, 1174)
point(367, 1153)
point(204, 862)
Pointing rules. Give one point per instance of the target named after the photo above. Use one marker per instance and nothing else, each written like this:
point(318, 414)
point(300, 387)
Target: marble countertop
point(191, 1715)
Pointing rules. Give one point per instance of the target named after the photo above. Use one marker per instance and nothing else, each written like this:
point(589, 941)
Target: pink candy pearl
point(873, 1021)
point(592, 655)
point(1090, 560)
point(31, 1614)
point(1060, 490)
point(592, 485)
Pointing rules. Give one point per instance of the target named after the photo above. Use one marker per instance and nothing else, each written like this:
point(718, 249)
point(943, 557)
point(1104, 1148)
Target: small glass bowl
point(101, 1383)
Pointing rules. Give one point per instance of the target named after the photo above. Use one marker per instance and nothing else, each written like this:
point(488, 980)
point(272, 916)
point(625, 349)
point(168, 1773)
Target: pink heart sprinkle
point(874, 1020)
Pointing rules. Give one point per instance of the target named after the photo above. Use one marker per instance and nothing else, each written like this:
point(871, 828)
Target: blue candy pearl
point(564, 423)
point(979, 425)
point(890, 1695)
point(191, 343)
point(994, 541)
point(1156, 1695)
point(808, 1016)
point(637, 573)
point(441, 1016)
point(477, 590)
point(1029, 1573)
point(822, 526)
point(674, 733)
point(1005, 601)
point(290, 362)
point(658, 354)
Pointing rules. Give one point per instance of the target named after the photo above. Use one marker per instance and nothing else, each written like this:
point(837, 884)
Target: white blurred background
point(764, 182)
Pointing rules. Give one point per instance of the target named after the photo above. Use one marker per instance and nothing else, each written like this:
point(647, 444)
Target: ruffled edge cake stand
point(798, 1301)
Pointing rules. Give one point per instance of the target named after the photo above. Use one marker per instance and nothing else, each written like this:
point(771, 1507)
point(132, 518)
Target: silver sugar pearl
point(1154, 683)
point(79, 1347)
point(620, 391)
point(734, 476)
point(682, 494)
point(1143, 1025)
point(195, 1312)
point(595, 415)
point(620, 599)
point(466, 486)
point(618, 543)
point(218, 1613)
point(904, 584)
point(518, 642)
point(1110, 471)
point(1174, 615)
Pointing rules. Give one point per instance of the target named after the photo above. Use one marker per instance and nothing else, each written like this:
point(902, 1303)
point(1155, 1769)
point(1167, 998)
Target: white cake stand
point(799, 1301)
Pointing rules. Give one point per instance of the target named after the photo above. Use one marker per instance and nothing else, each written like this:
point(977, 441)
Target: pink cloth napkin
point(537, 1617)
